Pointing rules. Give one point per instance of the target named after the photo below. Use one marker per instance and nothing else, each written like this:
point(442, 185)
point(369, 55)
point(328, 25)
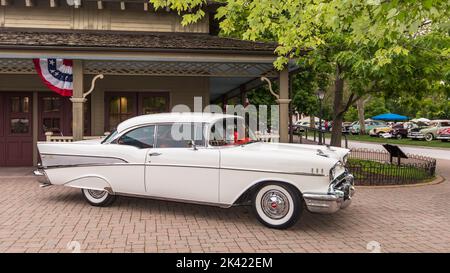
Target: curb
point(438, 180)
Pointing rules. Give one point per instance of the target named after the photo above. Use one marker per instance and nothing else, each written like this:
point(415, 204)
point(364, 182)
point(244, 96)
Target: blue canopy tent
point(390, 117)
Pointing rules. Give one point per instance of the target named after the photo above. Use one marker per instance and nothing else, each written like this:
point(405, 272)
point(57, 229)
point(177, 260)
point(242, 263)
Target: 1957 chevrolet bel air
point(210, 164)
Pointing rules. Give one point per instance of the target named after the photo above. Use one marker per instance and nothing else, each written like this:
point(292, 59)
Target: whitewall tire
point(98, 198)
point(429, 137)
point(277, 205)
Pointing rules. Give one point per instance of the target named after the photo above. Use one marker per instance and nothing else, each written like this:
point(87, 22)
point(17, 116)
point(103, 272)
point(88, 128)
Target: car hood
point(427, 129)
point(278, 157)
point(316, 150)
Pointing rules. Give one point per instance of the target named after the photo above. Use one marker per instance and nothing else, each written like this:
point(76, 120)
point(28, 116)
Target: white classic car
point(143, 158)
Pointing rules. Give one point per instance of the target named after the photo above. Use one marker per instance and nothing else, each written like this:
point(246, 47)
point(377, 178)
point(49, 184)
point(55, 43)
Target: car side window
point(142, 138)
point(179, 135)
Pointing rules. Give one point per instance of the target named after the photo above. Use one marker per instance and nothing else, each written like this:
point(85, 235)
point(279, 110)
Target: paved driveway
point(57, 219)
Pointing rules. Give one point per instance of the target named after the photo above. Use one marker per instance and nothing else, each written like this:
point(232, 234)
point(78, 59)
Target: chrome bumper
point(443, 137)
point(42, 178)
point(339, 196)
point(419, 136)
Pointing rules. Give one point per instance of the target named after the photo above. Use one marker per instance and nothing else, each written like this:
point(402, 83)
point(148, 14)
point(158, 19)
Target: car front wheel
point(429, 137)
point(277, 205)
point(98, 198)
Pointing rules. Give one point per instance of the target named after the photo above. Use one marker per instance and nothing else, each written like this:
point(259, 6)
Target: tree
point(360, 106)
point(369, 45)
point(305, 85)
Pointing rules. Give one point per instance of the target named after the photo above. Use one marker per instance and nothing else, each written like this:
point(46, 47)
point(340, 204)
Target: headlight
point(334, 169)
point(344, 159)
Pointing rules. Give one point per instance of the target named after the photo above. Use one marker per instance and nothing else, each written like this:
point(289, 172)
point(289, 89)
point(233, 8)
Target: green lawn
point(394, 141)
point(405, 141)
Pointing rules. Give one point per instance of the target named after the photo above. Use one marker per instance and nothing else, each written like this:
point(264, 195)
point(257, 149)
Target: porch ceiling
point(154, 68)
point(221, 86)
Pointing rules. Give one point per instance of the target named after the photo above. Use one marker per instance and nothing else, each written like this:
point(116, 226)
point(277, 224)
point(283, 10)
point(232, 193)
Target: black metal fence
point(373, 167)
point(308, 135)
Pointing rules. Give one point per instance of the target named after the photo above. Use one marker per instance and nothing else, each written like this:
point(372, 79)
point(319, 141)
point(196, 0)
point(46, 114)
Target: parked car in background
point(213, 166)
point(430, 132)
point(300, 126)
point(444, 134)
point(377, 131)
point(400, 130)
point(346, 127)
point(369, 124)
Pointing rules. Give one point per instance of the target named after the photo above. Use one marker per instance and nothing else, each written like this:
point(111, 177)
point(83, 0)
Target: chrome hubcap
point(97, 194)
point(275, 204)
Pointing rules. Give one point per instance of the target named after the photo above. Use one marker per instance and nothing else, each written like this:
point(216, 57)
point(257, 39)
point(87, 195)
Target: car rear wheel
point(98, 198)
point(399, 136)
point(429, 137)
point(277, 205)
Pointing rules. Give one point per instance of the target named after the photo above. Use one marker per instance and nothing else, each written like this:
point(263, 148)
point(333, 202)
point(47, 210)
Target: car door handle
point(154, 154)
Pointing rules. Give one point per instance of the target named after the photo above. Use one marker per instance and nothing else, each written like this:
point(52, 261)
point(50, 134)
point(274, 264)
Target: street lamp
point(320, 95)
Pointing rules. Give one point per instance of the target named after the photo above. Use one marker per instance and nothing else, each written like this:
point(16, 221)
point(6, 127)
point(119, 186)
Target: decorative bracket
point(99, 76)
point(270, 87)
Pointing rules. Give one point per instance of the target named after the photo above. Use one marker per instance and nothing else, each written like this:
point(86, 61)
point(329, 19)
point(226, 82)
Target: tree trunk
point(338, 114)
point(362, 125)
point(360, 105)
point(312, 121)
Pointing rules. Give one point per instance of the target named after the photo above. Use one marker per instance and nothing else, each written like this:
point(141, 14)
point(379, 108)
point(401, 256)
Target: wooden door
point(2, 135)
point(17, 129)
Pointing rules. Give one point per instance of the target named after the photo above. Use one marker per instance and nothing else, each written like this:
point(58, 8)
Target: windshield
point(110, 137)
point(445, 123)
point(231, 131)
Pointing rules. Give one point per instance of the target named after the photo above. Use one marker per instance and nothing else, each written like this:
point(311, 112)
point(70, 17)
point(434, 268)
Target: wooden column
point(242, 94)
point(78, 101)
point(35, 127)
point(284, 101)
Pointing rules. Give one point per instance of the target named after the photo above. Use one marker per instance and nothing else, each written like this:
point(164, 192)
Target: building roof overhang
point(131, 41)
point(229, 63)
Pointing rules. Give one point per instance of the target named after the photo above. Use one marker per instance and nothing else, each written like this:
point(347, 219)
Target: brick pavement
point(408, 219)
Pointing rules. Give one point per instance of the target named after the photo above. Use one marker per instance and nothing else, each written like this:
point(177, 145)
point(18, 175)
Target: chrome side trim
point(92, 165)
point(272, 171)
point(182, 166)
point(88, 156)
point(221, 205)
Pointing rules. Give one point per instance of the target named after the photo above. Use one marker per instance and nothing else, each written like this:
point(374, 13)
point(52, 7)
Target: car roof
point(172, 118)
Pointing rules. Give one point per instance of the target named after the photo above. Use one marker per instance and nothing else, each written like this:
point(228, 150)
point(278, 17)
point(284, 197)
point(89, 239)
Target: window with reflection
point(51, 114)
point(20, 104)
point(51, 104)
point(120, 108)
point(143, 137)
point(154, 104)
point(20, 126)
point(20, 109)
